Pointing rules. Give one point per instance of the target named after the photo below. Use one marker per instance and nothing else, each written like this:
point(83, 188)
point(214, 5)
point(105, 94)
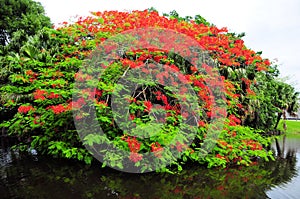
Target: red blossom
point(220, 188)
point(164, 99)
point(250, 92)
point(158, 95)
point(133, 144)
point(39, 94)
point(98, 93)
point(223, 143)
point(180, 147)
point(157, 149)
point(220, 156)
point(131, 116)
point(175, 68)
point(102, 103)
point(148, 105)
point(253, 145)
point(25, 109)
point(185, 115)
point(239, 105)
point(201, 124)
point(78, 117)
point(135, 157)
point(57, 109)
point(53, 95)
point(77, 104)
point(29, 72)
point(234, 119)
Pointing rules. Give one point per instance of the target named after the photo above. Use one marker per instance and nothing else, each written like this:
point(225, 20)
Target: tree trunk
point(278, 120)
point(283, 144)
point(284, 121)
point(279, 154)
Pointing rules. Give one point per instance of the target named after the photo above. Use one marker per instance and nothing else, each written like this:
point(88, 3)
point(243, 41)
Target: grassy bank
point(293, 126)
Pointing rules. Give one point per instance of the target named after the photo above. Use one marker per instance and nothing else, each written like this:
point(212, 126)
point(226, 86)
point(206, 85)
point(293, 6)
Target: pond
point(39, 177)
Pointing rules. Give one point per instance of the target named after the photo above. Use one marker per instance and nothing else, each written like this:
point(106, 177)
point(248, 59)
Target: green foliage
point(274, 100)
point(19, 19)
point(40, 76)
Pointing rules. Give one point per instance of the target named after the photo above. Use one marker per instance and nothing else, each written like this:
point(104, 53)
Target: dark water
point(38, 177)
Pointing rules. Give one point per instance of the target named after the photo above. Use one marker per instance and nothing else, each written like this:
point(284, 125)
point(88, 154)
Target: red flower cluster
point(180, 147)
point(234, 120)
point(134, 147)
point(220, 156)
point(201, 124)
point(157, 149)
point(133, 144)
point(25, 109)
point(135, 157)
point(57, 109)
point(82, 77)
point(53, 96)
point(131, 64)
point(32, 75)
point(77, 104)
point(253, 145)
point(42, 95)
point(39, 94)
point(148, 106)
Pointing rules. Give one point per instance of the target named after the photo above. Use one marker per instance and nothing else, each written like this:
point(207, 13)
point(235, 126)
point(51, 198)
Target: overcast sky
point(271, 26)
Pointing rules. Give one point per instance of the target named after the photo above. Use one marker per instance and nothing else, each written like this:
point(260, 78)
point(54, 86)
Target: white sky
point(271, 26)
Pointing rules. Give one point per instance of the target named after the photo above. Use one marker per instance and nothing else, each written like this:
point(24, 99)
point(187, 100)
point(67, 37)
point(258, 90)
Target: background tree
point(287, 101)
point(18, 20)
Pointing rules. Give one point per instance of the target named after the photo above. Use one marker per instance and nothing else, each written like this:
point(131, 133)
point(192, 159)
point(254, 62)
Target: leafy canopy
point(19, 19)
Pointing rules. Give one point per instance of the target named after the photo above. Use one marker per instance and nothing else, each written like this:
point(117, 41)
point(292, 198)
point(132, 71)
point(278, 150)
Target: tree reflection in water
point(22, 177)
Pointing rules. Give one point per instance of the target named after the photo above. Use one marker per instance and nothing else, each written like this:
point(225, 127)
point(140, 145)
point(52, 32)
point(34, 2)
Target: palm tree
point(288, 102)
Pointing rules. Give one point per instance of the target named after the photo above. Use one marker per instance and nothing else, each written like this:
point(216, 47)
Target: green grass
point(293, 127)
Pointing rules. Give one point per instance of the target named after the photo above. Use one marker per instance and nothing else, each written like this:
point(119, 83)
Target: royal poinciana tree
point(41, 85)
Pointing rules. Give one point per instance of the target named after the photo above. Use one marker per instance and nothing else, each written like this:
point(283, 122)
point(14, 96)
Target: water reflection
point(24, 177)
point(287, 150)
